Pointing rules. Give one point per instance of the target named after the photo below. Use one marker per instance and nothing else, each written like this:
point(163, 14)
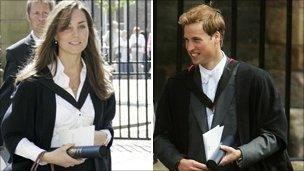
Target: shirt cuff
point(29, 150)
point(108, 134)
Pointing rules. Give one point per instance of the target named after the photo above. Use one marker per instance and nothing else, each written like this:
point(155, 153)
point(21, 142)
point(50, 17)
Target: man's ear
point(217, 36)
point(28, 17)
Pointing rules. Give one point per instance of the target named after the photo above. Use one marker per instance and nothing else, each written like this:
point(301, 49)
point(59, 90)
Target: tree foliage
point(114, 4)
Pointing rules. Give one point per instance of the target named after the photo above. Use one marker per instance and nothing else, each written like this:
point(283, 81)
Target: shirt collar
point(60, 78)
point(215, 73)
point(36, 39)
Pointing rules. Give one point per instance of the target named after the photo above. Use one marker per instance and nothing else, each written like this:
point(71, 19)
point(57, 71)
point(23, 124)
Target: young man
point(217, 90)
point(18, 54)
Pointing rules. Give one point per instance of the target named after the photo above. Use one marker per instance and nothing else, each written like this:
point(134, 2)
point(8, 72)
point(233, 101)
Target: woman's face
point(73, 39)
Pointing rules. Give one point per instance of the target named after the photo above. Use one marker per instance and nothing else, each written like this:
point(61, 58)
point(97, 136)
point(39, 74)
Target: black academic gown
point(258, 108)
point(17, 56)
point(33, 115)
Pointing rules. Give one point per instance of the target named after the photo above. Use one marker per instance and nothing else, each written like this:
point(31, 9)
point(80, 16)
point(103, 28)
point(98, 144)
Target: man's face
point(200, 46)
point(37, 16)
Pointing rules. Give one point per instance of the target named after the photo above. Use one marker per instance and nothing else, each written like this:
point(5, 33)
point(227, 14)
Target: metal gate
point(125, 29)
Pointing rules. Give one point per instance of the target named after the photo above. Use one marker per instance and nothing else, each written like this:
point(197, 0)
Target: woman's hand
point(100, 138)
point(61, 158)
point(231, 155)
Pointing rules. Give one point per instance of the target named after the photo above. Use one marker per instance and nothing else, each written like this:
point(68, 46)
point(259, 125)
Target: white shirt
point(36, 39)
point(67, 116)
point(210, 79)
point(141, 42)
point(123, 49)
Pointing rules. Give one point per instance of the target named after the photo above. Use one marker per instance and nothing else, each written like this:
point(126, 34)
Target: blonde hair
point(47, 52)
point(51, 4)
point(211, 18)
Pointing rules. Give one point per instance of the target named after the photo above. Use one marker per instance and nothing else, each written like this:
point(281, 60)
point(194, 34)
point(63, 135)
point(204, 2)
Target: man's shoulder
point(250, 71)
point(179, 80)
point(20, 44)
point(179, 76)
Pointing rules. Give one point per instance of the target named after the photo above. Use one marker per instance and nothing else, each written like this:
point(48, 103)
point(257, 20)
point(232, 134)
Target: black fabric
point(5, 93)
point(88, 165)
point(258, 107)
point(17, 56)
point(33, 116)
point(197, 90)
point(224, 114)
point(48, 82)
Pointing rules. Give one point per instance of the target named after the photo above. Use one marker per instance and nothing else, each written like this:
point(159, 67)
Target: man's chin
point(195, 62)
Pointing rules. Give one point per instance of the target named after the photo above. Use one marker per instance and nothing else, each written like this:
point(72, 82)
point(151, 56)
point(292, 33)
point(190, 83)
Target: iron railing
point(130, 66)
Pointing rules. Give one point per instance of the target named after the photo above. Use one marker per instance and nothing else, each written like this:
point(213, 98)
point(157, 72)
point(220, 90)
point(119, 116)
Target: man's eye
point(45, 14)
point(196, 40)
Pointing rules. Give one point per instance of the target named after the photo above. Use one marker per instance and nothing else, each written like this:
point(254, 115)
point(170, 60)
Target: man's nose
point(189, 46)
point(42, 18)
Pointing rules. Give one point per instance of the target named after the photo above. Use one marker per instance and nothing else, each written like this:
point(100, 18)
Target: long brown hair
point(47, 51)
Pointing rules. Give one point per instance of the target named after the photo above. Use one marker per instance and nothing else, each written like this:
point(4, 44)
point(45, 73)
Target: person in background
point(113, 41)
point(137, 47)
point(18, 54)
point(217, 90)
point(64, 88)
point(123, 50)
point(149, 49)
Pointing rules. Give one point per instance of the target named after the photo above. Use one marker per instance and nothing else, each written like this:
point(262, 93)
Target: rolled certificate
point(215, 159)
point(88, 151)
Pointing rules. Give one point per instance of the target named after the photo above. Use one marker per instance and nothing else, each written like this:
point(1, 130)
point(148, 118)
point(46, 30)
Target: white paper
point(212, 140)
point(83, 136)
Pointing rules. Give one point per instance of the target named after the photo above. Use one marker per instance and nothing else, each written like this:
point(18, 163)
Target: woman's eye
point(68, 28)
point(82, 26)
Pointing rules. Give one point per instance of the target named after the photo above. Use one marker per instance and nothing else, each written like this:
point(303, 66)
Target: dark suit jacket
point(258, 108)
point(33, 115)
point(16, 57)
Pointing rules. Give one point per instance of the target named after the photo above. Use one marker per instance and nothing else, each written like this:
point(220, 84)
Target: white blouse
point(67, 116)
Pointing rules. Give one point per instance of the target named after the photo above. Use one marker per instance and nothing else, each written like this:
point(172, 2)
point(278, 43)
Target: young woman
point(64, 87)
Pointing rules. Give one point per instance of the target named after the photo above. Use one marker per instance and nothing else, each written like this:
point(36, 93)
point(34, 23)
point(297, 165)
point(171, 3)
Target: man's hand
point(231, 155)
point(187, 164)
